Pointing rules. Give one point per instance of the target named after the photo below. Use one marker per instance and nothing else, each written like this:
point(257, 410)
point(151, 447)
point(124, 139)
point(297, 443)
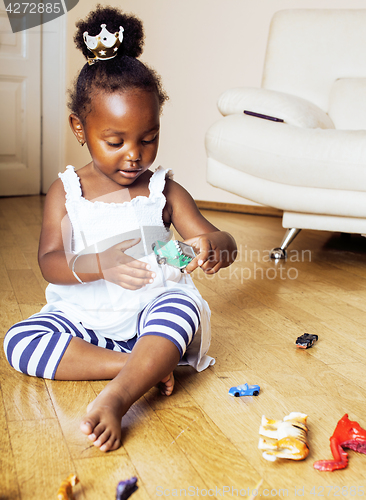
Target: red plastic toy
point(347, 434)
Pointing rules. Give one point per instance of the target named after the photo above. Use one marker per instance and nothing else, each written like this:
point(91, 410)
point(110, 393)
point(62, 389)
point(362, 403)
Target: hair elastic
point(105, 45)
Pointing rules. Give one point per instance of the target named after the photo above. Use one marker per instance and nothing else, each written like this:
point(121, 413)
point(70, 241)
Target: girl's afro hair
point(119, 74)
point(133, 34)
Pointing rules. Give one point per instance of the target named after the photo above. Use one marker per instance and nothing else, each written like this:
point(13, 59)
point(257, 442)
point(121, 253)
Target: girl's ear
point(77, 128)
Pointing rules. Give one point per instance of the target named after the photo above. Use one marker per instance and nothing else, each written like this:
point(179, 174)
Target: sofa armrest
point(291, 109)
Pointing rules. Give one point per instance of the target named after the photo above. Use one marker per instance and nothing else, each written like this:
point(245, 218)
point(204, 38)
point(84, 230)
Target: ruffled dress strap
point(71, 183)
point(74, 203)
point(157, 181)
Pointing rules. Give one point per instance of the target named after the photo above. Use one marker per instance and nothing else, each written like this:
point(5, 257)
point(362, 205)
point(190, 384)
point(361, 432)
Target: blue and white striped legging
point(36, 345)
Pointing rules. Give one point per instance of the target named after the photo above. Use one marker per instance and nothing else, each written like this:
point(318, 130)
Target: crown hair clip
point(105, 45)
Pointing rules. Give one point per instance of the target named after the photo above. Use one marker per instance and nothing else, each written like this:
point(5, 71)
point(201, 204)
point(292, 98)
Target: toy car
point(244, 390)
point(174, 253)
point(306, 340)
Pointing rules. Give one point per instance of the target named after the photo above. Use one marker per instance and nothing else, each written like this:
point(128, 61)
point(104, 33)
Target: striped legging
point(36, 345)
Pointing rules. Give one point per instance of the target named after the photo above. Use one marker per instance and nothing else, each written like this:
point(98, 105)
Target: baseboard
point(237, 208)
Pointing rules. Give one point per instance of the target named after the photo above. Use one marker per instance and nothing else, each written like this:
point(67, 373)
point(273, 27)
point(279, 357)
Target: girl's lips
point(129, 173)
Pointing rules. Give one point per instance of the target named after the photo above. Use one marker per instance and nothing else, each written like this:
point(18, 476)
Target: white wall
point(200, 48)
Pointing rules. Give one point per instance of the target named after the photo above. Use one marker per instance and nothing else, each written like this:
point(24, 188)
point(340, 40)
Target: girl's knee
point(174, 316)
point(31, 350)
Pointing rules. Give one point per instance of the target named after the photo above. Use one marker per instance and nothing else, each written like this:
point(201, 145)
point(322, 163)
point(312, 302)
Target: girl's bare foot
point(166, 386)
point(102, 423)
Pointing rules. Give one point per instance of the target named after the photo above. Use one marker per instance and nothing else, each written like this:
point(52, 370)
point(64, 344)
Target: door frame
point(53, 100)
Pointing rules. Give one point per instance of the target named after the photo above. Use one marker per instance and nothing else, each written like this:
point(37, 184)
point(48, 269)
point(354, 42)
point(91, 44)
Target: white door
point(20, 109)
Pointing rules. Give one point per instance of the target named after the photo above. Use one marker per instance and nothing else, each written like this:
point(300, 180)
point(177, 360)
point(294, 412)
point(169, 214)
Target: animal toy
point(65, 489)
point(285, 438)
point(126, 488)
point(347, 434)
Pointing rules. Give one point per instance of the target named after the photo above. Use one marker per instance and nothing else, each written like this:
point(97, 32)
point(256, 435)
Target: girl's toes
point(91, 429)
point(167, 385)
point(111, 444)
point(86, 427)
point(106, 441)
point(92, 437)
point(101, 435)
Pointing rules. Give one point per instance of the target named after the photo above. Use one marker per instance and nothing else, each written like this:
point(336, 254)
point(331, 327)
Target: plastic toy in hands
point(244, 390)
point(126, 488)
point(347, 434)
point(174, 253)
point(306, 340)
point(285, 438)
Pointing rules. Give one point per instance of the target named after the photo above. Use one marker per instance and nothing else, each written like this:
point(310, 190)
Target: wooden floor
point(200, 441)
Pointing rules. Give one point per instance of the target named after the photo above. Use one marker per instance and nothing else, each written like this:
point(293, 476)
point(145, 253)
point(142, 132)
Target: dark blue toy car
point(244, 390)
point(306, 340)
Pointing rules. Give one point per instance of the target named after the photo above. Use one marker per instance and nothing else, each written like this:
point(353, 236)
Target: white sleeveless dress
point(106, 308)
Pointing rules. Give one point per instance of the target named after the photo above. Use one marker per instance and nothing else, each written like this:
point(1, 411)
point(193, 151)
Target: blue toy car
point(244, 390)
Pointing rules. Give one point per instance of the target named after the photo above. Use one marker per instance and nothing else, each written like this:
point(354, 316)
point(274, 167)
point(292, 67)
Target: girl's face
point(122, 134)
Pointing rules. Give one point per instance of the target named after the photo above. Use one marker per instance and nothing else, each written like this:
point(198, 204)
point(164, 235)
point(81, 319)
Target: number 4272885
point(33, 8)
point(337, 491)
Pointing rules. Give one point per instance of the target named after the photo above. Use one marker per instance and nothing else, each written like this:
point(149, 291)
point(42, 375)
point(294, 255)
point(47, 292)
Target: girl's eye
point(114, 144)
point(150, 142)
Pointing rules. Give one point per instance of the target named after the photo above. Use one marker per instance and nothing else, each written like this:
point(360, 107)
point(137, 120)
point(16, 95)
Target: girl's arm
point(214, 248)
point(56, 259)
point(53, 254)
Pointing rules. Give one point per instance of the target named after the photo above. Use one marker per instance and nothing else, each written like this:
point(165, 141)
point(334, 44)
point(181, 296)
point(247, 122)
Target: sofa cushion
point(347, 103)
point(292, 109)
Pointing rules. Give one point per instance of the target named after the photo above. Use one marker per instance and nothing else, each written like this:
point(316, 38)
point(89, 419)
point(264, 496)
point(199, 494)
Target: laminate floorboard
point(200, 441)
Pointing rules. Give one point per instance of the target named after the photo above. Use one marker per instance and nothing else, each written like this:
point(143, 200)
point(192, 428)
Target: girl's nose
point(133, 154)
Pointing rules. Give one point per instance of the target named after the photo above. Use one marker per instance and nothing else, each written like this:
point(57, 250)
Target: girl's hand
point(123, 270)
point(214, 250)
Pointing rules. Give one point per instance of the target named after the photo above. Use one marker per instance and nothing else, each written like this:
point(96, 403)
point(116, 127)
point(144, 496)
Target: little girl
point(112, 312)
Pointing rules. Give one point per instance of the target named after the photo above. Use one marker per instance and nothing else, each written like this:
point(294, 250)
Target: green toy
point(174, 253)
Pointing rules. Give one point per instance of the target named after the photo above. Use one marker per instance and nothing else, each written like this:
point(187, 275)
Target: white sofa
point(313, 164)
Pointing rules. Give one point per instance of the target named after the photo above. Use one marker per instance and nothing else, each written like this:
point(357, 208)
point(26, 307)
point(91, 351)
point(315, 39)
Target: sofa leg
point(280, 252)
